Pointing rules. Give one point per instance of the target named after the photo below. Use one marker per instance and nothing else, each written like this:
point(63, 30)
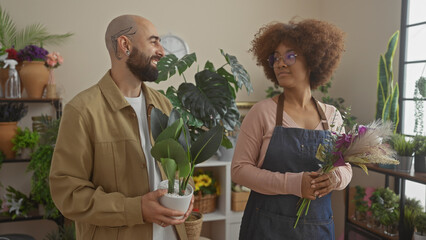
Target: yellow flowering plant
point(205, 183)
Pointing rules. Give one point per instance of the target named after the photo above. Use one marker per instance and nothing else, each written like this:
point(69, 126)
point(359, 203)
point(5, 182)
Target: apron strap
point(322, 115)
point(280, 110)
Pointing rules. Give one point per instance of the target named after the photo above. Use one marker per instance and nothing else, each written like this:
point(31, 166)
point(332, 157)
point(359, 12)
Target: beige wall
point(207, 26)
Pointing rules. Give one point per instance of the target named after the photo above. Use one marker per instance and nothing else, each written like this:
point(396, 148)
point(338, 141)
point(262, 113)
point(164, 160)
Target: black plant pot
point(420, 163)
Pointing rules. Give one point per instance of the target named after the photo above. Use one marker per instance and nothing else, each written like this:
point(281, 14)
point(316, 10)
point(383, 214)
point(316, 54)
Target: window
point(412, 66)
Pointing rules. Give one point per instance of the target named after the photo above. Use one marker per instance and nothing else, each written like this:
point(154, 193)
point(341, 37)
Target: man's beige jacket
point(99, 171)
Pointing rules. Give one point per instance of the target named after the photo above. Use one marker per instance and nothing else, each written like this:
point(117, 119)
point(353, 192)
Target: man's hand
point(307, 190)
point(323, 184)
point(152, 211)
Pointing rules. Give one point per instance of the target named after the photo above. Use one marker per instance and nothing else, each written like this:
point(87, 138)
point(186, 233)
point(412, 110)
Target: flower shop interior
point(205, 27)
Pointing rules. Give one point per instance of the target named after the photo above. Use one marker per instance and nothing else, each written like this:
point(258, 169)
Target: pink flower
point(340, 161)
point(362, 129)
point(54, 60)
point(343, 141)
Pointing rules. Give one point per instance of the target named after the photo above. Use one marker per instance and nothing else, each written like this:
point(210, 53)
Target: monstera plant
point(211, 100)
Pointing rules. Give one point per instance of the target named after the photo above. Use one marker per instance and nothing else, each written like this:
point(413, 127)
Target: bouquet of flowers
point(54, 60)
point(205, 183)
point(361, 145)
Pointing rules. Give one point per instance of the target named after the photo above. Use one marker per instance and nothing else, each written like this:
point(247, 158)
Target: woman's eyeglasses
point(289, 59)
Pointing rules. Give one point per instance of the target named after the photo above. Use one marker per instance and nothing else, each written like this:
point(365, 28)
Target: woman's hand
point(307, 191)
point(323, 184)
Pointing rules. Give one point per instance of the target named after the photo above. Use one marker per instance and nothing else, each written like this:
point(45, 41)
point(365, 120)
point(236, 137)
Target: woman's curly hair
point(321, 44)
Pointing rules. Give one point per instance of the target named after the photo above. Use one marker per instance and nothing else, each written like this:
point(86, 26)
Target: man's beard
point(140, 65)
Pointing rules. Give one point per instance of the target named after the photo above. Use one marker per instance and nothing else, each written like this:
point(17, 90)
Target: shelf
point(373, 230)
point(16, 160)
point(213, 162)
point(30, 100)
point(412, 176)
point(29, 218)
point(214, 216)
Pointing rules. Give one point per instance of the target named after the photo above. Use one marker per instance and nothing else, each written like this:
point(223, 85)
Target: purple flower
point(362, 129)
point(32, 53)
point(343, 141)
point(340, 161)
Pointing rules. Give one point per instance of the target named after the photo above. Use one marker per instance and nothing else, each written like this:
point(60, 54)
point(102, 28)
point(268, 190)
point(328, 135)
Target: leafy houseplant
point(419, 93)
point(420, 153)
point(411, 209)
point(211, 100)
point(201, 113)
point(10, 114)
point(387, 107)
point(404, 149)
point(12, 111)
point(40, 165)
point(361, 205)
point(420, 224)
point(36, 33)
point(383, 203)
point(25, 139)
point(18, 203)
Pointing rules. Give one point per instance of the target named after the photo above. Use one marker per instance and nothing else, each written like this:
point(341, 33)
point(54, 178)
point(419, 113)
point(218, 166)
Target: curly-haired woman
point(276, 147)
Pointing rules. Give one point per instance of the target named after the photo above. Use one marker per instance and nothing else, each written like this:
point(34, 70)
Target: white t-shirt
point(138, 104)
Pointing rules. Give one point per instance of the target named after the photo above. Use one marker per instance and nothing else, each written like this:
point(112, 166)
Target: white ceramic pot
point(175, 201)
point(417, 236)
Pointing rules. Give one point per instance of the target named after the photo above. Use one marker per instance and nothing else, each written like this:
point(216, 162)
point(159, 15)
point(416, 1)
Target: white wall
point(207, 26)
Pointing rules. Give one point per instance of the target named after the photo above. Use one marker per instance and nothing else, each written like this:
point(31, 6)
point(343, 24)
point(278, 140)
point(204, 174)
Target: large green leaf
point(240, 73)
point(222, 72)
point(168, 65)
point(231, 118)
point(382, 87)
point(173, 131)
point(170, 148)
point(206, 144)
point(209, 66)
point(394, 107)
point(392, 44)
point(170, 168)
point(37, 34)
point(7, 29)
point(158, 122)
point(209, 98)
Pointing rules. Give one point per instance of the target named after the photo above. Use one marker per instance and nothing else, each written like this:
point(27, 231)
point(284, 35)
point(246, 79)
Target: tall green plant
point(36, 34)
point(387, 107)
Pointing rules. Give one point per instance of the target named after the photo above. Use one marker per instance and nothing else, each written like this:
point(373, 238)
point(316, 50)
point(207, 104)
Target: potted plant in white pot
point(420, 227)
point(404, 149)
point(178, 154)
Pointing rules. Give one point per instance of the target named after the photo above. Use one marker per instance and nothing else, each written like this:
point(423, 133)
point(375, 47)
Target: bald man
point(102, 175)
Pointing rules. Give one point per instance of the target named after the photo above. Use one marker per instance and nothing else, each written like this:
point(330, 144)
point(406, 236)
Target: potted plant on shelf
point(34, 74)
point(239, 197)
point(387, 107)
point(40, 165)
point(404, 149)
point(24, 142)
point(14, 39)
point(412, 208)
point(361, 205)
point(17, 204)
point(206, 191)
point(383, 202)
point(420, 227)
point(420, 153)
point(10, 114)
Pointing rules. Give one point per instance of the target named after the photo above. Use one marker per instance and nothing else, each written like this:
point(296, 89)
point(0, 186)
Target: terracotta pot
point(34, 76)
point(7, 132)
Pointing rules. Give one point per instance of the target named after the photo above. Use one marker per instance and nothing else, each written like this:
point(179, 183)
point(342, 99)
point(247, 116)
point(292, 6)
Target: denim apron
point(273, 216)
